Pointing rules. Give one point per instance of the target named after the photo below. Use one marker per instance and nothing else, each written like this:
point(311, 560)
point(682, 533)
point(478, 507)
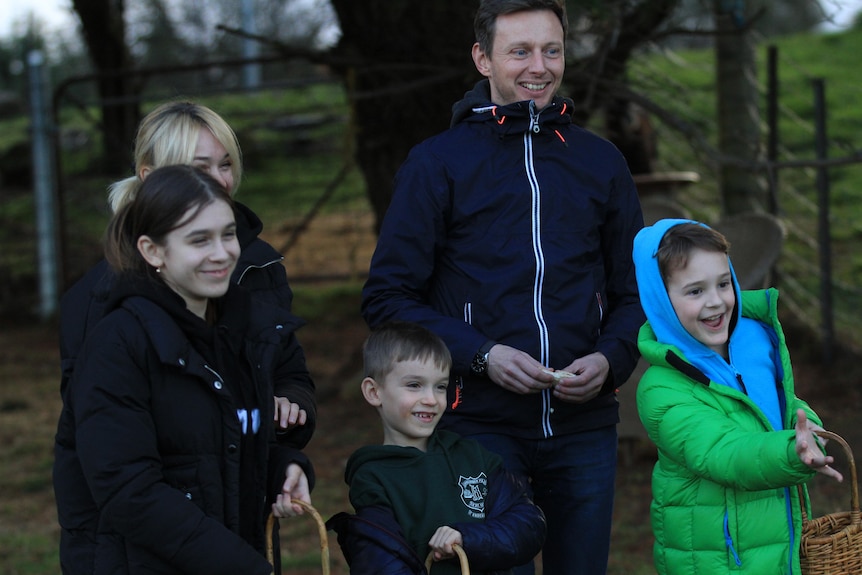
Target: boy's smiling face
point(703, 298)
point(411, 399)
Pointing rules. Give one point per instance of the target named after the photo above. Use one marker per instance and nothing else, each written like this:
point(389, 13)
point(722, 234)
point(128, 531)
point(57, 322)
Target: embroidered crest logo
point(473, 493)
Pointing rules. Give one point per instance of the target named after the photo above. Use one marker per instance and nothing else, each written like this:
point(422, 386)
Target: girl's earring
point(159, 269)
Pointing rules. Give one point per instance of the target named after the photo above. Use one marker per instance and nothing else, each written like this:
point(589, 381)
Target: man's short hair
point(680, 240)
point(485, 22)
point(399, 341)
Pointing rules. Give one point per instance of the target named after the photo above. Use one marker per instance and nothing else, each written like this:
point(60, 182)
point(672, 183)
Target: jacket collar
point(515, 118)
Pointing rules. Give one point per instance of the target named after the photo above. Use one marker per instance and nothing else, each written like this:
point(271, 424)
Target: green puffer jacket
point(722, 488)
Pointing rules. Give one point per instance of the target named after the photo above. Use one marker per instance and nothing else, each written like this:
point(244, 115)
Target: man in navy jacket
point(510, 236)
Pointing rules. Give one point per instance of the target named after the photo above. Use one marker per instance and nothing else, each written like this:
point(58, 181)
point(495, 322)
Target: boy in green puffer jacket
point(718, 400)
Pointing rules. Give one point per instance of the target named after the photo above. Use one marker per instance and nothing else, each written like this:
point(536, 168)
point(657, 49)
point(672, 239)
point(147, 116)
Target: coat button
point(189, 496)
point(182, 362)
point(217, 384)
point(231, 448)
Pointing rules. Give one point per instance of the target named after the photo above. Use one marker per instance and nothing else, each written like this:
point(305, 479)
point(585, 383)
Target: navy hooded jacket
point(514, 226)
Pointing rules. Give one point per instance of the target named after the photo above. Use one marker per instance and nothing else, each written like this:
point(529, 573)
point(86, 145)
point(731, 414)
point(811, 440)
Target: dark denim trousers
point(572, 479)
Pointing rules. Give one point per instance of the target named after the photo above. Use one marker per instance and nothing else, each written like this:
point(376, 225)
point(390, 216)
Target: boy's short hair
point(680, 240)
point(398, 341)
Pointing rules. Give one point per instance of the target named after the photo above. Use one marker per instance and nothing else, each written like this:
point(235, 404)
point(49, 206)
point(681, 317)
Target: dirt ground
point(335, 248)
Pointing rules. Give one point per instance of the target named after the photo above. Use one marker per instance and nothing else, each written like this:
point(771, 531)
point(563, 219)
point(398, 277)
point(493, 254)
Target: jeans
point(572, 479)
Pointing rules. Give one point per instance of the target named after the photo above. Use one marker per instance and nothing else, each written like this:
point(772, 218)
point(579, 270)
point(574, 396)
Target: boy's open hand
point(808, 450)
point(441, 542)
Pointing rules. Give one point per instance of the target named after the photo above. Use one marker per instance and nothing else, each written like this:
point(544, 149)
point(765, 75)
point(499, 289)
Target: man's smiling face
point(527, 59)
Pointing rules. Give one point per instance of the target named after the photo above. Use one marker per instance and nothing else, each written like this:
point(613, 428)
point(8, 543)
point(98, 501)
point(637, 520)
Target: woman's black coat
point(259, 270)
point(157, 435)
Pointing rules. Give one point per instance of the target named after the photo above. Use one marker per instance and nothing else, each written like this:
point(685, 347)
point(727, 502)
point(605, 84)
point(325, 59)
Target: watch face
point(480, 364)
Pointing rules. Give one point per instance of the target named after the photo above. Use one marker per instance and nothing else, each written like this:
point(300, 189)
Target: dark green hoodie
point(444, 485)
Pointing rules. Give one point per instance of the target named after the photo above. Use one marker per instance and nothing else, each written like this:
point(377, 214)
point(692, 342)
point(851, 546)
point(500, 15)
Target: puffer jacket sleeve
point(293, 381)
point(81, 308)
point(260, 270)
point(373, 544)
point(690, 424)
point(513, 531)
point(117, 445)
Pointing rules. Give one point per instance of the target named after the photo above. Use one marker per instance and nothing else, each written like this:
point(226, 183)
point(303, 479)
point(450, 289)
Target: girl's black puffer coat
point(158, 438)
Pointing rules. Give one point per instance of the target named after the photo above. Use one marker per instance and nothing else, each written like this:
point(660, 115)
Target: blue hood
point(654, 299)
point(750, 347)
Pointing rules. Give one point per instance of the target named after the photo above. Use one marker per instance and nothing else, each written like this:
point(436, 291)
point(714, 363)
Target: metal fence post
point(44, 195)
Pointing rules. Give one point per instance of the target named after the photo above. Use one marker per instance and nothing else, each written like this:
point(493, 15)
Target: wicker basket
point(462, 557)
point(832, 544)
point(321, 530)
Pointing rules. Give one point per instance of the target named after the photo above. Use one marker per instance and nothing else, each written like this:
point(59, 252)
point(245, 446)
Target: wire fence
point(799, 269)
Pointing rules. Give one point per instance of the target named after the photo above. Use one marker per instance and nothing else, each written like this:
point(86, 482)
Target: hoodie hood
point(476, 105)
point(248, 225)
point(751, 348)
point(654, 297)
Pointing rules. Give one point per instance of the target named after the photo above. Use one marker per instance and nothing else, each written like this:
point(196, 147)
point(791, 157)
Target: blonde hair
point(169, 135)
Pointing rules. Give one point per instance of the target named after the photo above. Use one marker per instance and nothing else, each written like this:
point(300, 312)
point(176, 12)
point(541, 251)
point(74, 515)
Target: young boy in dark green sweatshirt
point(424, 490)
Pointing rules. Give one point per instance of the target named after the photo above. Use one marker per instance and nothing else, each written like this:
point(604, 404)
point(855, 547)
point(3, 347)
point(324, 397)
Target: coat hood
point(753, 367)
point(248, 225)
point(476, 105)
point(658, 308)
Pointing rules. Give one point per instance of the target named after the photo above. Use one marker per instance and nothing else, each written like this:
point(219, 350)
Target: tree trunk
point(405, 63)
point(104, 34)
point(738, 115)
point(410, 63)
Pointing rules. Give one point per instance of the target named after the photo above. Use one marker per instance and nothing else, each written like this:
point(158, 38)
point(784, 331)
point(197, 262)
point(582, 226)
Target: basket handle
point(462, 557)
point(854, 486)
point(321, 530)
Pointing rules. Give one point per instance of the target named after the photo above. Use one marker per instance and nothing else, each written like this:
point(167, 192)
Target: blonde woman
point(178, 132)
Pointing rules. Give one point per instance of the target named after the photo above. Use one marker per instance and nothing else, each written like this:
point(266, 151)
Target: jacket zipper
point(536, 231)
point(256, 267)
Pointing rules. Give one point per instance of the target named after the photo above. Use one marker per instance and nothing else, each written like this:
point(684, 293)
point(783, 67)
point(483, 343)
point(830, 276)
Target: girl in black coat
point(178, 132)
point(172, 392)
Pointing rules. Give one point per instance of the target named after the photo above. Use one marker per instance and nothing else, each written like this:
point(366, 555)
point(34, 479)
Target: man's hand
point(516, 371)
point(441, 542)
point(287, 414)
point(590, 373)
point(808, 450)
point(295, 487)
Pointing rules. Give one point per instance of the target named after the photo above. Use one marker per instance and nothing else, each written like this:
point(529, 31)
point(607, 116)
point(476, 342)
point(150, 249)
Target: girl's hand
point(287, 414)
point(295, 487)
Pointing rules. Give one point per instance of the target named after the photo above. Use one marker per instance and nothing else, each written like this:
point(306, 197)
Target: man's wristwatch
point(479, 366)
